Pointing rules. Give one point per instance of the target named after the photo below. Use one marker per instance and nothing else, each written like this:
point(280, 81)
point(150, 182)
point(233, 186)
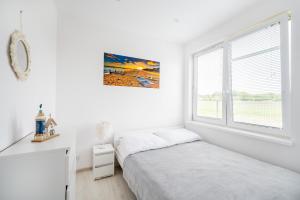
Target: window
point(244, 82)
point(256, 78)
point(209, 85)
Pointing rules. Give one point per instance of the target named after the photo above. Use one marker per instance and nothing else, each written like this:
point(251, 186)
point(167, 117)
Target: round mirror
point(20, 55)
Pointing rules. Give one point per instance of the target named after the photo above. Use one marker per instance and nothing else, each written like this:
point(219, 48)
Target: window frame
point(227, 112)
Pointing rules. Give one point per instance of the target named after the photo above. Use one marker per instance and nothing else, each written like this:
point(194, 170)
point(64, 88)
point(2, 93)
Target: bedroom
point(128, 73)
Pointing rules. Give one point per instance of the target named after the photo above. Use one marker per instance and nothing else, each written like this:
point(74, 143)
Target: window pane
point(256, 82)
point(209, 88)
point(263, 39)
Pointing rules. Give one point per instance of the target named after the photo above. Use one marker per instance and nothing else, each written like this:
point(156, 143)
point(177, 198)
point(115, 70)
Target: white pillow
point(131, 144)
point(120, 134)
point(177, 136)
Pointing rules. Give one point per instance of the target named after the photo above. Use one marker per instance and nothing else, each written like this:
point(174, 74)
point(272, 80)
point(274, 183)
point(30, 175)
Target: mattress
point(201, 171)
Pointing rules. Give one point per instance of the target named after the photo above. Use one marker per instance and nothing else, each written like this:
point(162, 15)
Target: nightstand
point(103, 161)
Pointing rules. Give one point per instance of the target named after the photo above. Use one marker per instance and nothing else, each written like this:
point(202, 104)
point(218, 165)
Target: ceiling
point(169, 20)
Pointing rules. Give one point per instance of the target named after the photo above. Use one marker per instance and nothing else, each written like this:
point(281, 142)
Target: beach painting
point(131, 72)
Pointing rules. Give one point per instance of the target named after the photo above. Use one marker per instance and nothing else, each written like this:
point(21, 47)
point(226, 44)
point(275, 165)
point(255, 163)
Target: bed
point(192, 169)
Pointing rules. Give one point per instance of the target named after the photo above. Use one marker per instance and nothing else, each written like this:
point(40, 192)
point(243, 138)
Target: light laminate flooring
point(110, 188)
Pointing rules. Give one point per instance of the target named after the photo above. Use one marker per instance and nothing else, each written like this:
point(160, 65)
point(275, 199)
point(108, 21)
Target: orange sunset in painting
point(133, 72)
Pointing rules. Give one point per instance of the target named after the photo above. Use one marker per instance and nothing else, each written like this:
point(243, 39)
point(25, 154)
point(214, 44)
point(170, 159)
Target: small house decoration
point(50, 125)
point(44, 128)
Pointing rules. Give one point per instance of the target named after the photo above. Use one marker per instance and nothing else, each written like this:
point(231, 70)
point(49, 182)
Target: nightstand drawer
point(101, 159)
point(103, 171)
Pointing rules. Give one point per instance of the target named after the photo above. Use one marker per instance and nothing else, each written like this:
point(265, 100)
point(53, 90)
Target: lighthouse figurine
point(40, 121)
point(44, 131)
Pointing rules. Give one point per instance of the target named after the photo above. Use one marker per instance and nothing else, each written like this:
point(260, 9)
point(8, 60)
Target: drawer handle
point(97, 154)
point(97, 166)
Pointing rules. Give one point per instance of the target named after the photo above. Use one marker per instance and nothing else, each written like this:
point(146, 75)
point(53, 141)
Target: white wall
point(83, 100)
point(19, 100)
point(286, 156)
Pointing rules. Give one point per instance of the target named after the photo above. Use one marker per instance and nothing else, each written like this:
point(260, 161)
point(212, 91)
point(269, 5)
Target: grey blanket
point(201, 171)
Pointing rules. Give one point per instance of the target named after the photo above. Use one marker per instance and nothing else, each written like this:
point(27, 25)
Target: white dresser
point(103, 161)
point(39, 171)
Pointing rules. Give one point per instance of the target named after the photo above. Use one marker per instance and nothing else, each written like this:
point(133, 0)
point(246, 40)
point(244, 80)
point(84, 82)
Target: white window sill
point(268, 138)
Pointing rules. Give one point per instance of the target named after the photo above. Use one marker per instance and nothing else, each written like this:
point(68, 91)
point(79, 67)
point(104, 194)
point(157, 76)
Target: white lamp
point(104, 132)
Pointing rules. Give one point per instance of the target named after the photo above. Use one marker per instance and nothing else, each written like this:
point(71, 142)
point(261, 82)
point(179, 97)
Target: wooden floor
point(111, 188)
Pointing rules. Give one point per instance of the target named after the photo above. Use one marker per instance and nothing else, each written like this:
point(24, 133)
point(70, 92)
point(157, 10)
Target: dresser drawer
point(102, 159)
point(103, 171)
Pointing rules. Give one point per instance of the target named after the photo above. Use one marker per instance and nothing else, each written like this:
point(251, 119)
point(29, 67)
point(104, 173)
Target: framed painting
point(131, 72)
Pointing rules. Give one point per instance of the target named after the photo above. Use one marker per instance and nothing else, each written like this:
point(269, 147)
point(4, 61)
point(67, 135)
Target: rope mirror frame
point(15, 38)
